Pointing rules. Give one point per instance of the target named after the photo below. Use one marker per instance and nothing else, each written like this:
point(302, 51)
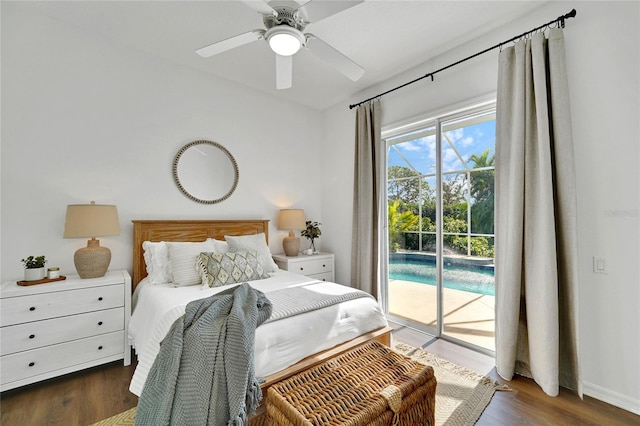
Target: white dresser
point(51, 329)
point(319, 266)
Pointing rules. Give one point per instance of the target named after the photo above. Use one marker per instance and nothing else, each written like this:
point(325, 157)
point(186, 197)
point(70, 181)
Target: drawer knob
point(100, 323)
point(324, 266)
point(301, 268)
point(33, 308)
point(32, 336)
point(31, 364)
point(100, 298)
point(99, 348)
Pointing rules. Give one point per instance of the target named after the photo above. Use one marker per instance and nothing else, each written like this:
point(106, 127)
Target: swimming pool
point(474, 280)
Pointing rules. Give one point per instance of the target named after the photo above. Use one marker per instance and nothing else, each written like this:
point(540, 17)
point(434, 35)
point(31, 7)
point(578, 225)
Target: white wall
point(602, 45)
point(85, 119)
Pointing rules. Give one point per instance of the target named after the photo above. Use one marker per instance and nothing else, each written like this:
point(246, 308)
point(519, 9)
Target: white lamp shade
point(290, 219)
point(91, 220)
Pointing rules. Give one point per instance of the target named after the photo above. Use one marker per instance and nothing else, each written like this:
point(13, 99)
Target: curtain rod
point(559, 20)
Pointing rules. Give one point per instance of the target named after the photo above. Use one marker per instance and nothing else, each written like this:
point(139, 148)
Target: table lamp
point(91, 221)
point(291, 220)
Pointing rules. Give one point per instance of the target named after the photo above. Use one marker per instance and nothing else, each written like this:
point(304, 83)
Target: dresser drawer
point(32, 335)
point(17, 310)
point(312, 266)
point(45, 360)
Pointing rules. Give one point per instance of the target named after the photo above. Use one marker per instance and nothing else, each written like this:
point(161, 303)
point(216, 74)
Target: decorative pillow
point(182, 257)
point(156, 257)
point(217, 269)
point(257, 242)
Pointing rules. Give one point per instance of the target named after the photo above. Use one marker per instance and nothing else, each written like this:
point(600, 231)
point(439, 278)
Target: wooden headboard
point(186, 230)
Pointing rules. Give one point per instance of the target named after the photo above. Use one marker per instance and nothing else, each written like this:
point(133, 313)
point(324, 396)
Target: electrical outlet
point(599, 265)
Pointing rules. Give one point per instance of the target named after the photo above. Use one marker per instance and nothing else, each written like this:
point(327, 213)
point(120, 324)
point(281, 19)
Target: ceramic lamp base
point(291, 245)
point(93, 260)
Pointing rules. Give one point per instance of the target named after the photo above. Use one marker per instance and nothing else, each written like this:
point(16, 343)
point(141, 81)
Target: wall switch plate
point(599, 265)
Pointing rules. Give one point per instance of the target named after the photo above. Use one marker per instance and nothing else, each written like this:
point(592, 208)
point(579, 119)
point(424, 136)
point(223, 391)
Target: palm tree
point(399, 223)
point(482, 191)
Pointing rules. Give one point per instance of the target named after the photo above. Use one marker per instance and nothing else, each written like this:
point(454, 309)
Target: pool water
point(454, 277)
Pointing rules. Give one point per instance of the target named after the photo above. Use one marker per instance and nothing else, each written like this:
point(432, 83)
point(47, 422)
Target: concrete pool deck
point(467, 316)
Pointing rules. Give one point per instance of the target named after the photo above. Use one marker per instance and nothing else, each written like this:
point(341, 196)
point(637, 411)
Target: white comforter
point(278, 344)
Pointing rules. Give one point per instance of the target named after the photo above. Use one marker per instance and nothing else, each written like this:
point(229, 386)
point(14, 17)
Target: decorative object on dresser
point(42, 281)
point(55, 329)
point(34, 267)
point(319, 266)
point(311, 231)
point(53, 272)
point(34, 272)
point(205, 172)
point(91, 221)
point(291, 220)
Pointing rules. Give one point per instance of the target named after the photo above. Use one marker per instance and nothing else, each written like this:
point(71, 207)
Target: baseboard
point(612, 397)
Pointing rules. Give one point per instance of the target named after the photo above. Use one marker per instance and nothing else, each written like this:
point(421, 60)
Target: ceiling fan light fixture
point(284, 40)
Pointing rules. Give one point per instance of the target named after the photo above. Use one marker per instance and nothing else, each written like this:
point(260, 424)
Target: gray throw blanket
point(291, 301)
point(204, 372)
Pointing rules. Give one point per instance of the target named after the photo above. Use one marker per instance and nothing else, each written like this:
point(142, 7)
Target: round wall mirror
point(205, 172)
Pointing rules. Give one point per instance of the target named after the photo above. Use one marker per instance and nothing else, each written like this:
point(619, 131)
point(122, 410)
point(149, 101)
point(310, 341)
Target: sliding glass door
point(440, 175)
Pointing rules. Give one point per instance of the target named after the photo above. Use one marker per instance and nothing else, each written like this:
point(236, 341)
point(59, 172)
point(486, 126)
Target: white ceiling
point(384, 37)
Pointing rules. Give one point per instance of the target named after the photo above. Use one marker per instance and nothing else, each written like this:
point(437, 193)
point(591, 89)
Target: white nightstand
point(56, 328)
point(318, 266)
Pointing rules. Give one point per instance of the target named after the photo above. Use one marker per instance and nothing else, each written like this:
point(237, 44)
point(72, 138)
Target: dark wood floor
point(526, 403)
point(89, 396)
point(80, 398)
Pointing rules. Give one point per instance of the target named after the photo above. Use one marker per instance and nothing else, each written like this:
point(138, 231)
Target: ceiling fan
point(284, 23)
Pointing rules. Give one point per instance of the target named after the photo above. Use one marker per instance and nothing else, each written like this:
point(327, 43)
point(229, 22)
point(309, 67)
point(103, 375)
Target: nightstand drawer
point(325, 276)
point(32, 335)
point(17, 310)
point(27, 364)
point(312, 266)
point(319, 266)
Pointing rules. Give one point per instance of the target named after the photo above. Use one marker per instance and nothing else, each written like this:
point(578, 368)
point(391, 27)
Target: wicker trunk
point(368, 385)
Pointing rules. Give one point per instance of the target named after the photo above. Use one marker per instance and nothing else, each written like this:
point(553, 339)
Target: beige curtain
point(368, 192)
point(536, 241)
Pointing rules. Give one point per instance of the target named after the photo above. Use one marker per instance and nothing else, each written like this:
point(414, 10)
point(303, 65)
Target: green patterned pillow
point(217, 269)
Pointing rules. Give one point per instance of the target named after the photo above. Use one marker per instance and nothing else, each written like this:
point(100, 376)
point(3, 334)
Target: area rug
point(461, 394)
point(122, 419)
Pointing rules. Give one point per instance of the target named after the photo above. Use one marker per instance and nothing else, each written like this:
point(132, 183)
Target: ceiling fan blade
point(230, 43)
point(330, 55)
point(284, 71)
point(260, 6)
point(314, 11)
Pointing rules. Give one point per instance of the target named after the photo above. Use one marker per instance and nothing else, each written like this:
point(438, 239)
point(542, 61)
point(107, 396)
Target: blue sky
point(421, 153)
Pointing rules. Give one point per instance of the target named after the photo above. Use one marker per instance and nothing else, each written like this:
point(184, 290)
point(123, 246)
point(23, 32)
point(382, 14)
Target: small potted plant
point(312, 232)
point(34, 268)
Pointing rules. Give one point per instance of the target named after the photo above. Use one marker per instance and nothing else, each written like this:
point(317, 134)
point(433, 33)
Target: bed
point(282, 348)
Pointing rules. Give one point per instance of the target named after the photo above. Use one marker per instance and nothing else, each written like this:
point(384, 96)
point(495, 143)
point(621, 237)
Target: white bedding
point(278, 344)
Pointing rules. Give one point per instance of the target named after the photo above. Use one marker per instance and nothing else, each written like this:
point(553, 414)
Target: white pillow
point(183, 257)
point(257, 242)
point(221, 246)
point(156, 257)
